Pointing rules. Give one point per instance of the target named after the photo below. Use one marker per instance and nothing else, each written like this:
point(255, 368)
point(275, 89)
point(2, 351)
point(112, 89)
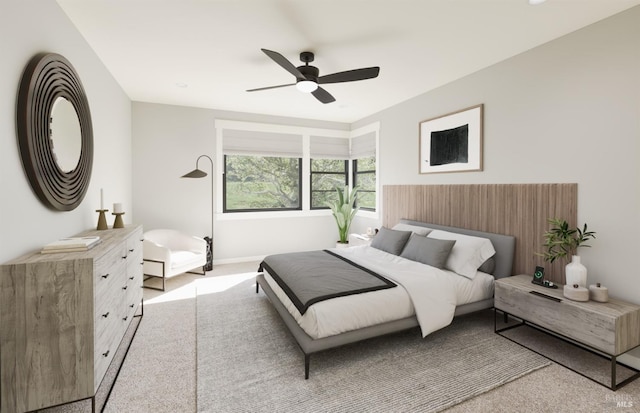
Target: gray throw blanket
point(312, 276)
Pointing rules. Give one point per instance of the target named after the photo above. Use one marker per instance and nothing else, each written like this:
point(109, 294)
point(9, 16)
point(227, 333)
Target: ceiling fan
point(307, 79)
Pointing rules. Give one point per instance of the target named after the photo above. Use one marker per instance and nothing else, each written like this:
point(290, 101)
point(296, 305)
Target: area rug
point(248, 362)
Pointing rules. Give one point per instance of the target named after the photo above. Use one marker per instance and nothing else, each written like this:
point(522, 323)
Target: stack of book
point(73, 244)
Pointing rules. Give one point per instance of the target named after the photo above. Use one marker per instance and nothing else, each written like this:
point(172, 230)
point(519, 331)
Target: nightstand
point(359, 239)
point(609, 329)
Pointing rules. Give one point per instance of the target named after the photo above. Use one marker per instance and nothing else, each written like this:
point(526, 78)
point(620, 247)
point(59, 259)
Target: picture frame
point(452, 142)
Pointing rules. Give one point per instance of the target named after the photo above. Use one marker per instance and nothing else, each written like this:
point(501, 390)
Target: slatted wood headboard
point(520, 210)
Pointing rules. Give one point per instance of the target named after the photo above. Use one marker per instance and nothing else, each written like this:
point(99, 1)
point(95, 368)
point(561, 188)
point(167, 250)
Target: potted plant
point(562, 242)
point(343, 211)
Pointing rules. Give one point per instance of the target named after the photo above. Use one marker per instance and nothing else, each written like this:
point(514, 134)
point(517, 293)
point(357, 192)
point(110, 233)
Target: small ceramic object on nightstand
point(576, 293)
point(598, 293)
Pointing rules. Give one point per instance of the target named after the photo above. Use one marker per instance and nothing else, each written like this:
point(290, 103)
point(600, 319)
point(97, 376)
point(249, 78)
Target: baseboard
point(630, 359)
point(238, 260)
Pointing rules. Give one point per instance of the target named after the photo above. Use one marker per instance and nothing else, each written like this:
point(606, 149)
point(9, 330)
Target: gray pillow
point(390, 240)
point(488, 266)
point(430, 251)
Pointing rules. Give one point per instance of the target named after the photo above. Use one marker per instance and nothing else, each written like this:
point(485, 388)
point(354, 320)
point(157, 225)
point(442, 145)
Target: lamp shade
point(196, 173)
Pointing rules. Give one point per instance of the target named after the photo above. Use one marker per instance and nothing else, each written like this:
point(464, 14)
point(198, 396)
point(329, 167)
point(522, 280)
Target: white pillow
point(468, 253)
point(413, 228)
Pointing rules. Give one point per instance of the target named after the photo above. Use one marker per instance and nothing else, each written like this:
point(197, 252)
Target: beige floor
point(159, 372)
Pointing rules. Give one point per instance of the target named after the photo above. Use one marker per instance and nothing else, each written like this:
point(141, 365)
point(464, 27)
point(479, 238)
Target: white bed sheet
point(338, 315)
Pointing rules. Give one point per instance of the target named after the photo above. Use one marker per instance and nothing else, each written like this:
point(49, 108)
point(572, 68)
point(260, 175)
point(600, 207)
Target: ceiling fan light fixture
point(306, 86)
point(536, 2)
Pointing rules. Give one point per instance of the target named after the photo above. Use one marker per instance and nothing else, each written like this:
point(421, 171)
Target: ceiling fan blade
point(350, 75)
point(323, 96)
point(269, 87)
point(282, 61)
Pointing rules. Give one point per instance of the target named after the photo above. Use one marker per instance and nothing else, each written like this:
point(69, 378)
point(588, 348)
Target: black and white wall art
point(452, 142)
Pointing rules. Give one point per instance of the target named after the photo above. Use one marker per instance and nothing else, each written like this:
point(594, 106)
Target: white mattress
point(338, 315)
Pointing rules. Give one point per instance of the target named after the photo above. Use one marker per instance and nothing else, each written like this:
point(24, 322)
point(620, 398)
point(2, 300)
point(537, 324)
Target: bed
point(404, 307)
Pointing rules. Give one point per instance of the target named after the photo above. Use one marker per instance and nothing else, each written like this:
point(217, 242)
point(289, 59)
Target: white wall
point(26, 28)
point(167, 142)
point(567, 111)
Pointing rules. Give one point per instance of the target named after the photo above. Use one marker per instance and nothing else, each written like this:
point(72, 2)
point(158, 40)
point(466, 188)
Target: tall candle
point(117, 208)
point(101, 199)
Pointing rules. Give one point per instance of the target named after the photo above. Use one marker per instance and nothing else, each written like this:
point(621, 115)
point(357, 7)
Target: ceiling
point(206, 53)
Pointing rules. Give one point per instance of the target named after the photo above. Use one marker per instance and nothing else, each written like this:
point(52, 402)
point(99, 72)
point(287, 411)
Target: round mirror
point(54, 131)
point(66, 140)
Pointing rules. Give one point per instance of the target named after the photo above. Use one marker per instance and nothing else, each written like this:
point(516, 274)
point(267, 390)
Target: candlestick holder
point(118, 222)
point(102, 219)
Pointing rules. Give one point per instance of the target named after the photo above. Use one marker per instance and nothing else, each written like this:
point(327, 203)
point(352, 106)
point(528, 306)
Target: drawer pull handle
point(141, 262)
point(131, 278)
point(131, 305)
point(105, 276)
point(106, 354)
point(548, 297)
point(105, 315)
point(131, 250)
point(124, 258)
point(124, 288)
point(125, 318)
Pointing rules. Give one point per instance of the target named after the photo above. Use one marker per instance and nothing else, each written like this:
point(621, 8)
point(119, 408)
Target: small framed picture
point(538, 276)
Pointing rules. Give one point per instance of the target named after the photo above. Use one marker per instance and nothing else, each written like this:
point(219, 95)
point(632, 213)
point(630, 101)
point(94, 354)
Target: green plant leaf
point(343, 210)
point(562, 241)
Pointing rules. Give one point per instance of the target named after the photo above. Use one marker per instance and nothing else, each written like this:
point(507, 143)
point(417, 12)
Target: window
point(328, 168)
point(272, 170)
point(261, 183)
point(364, 175)
point(262, 171)
point(363, 153)
point(326, 176)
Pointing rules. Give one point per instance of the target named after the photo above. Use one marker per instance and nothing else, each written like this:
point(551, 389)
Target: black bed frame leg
point(307, 361)
point(257, 287)
point(506, 318)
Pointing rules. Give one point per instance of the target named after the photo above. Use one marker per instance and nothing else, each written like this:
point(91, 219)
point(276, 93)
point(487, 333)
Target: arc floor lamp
point(199, 173)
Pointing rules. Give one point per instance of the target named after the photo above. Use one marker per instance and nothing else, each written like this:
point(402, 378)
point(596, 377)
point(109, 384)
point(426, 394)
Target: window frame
point(225, 210)
point(311, 173)
point(355, 173)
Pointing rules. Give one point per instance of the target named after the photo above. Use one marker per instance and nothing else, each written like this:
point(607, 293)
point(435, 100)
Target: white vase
point(575, 272)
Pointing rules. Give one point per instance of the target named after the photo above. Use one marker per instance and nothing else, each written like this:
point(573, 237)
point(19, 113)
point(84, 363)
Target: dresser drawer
point(106, 340)
point(134, 241)
point(106, 265)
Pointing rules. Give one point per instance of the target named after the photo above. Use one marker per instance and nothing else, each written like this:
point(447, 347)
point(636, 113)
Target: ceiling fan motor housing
point(309, 72)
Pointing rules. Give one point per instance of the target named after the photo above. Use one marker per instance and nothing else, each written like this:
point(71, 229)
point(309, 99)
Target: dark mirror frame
point(47, 77)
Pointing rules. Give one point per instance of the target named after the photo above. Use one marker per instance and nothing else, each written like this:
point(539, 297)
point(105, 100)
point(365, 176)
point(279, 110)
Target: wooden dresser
point(62, 318)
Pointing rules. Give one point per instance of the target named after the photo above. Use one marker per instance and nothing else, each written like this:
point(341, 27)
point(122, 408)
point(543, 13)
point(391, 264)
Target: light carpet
point(248, 362)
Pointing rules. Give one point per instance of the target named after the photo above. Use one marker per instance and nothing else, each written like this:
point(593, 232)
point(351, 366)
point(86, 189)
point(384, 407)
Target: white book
point(71, 243)
point(59, 250)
